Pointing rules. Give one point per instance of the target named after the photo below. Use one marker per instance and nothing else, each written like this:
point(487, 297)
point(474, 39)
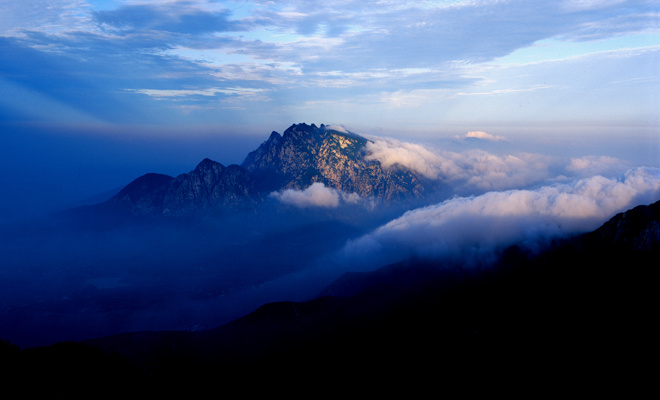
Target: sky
point(98, 92)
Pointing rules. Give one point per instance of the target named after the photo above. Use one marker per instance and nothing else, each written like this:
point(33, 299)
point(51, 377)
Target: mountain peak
point(274, 136)
point(303, 155)
point(301, 130)
point(143, 185)
point(208, 161)
point(209, 187)
point(329, 154)
point(207, 166)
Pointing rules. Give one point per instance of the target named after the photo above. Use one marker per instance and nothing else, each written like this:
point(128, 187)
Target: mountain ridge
point(583, 304)
point(392, 315)
point(301, 156)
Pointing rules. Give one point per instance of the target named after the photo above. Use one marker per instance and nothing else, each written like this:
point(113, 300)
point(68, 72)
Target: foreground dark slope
point(580, 312)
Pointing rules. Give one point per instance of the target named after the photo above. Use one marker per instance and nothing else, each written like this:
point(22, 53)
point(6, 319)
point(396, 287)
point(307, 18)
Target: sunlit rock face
point(306, 154)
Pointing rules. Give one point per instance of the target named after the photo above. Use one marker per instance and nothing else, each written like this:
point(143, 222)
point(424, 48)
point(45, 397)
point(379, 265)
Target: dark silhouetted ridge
point(580, 312)
point(581, 305)
point(210, 187)
point(143, 186)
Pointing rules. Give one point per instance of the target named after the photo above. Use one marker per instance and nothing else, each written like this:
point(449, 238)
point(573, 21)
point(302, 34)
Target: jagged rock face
point(306, 154)
point(210, 186)
point(303, 155)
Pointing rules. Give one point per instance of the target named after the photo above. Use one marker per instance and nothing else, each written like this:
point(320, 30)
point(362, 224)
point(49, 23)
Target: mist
point(471, 230)
point(70, 272)
point(49, 168)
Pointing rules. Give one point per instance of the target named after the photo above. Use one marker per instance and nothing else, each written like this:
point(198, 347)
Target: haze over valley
point(259, 190)
point(199, 249)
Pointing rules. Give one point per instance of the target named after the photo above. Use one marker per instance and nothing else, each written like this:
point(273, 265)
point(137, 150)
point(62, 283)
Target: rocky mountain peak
point(303, 155)
point(302, 129)
point(274, 136)
point(306, 154)
point(211, 186)
point(142, 186)
point(207, 170)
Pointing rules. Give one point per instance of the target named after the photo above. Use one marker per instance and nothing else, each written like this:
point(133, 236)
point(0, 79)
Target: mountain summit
point(303, 155)
point(306, 154)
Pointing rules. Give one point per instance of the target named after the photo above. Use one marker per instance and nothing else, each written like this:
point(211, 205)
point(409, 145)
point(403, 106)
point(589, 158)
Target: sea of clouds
point(491, 201)
point(472, 228)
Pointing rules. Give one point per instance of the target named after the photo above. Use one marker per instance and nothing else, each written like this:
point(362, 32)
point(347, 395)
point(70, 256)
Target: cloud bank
point(472, 228)
point(469, 171)
point(390, 152)
point(316, 195)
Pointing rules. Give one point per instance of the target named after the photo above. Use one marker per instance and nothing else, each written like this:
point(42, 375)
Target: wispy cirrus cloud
point(252, 93)
point(53, 16)
point(412, 57)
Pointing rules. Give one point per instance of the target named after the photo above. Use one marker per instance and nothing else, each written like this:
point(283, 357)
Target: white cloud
point(337, 128)
point(316, 195)
point(484, 136)
point(390, 152)
point(467, 171)
point(52, 16)
point(418, 59)
point(486, 171)
point(250, 94)
point(472, 227)
point(592, 165)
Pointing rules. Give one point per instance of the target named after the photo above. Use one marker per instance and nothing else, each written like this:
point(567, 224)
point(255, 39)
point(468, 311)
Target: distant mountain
point(145, 195)
point(306, 154)
point(210, 186)
point(303, 155)
point(585, 304)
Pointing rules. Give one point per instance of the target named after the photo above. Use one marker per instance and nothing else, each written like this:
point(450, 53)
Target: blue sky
point(152, 84)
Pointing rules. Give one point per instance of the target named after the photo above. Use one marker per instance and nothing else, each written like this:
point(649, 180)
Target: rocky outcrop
point(211, 186)
point(306, 154)
point(303, 155)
